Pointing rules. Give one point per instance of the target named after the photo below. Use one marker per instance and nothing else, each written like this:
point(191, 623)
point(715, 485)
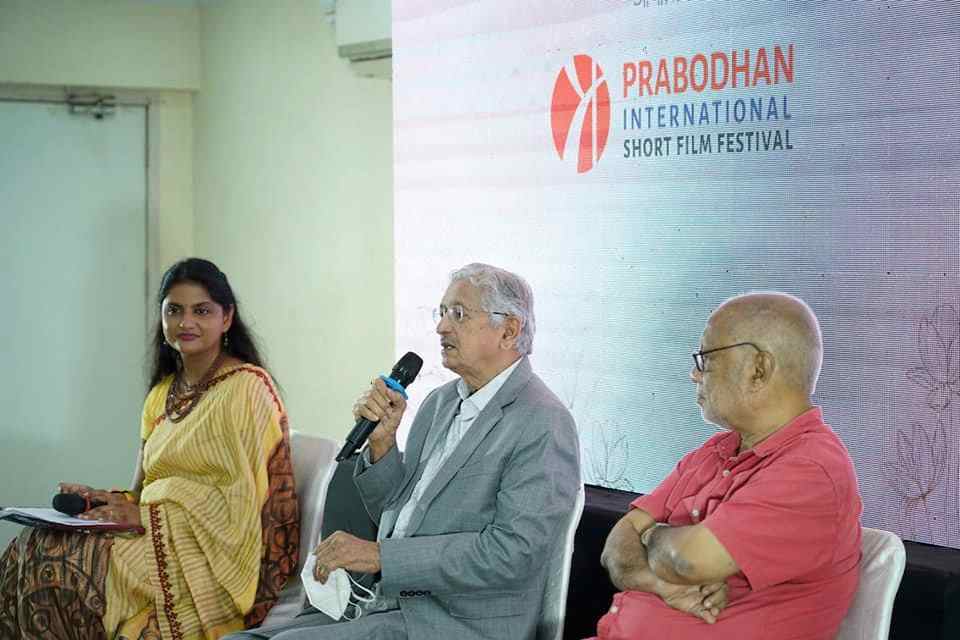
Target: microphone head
point(407, 369)
point(69, 503)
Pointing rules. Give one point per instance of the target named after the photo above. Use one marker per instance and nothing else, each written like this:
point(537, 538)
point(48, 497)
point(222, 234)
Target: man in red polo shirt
point(756, 534)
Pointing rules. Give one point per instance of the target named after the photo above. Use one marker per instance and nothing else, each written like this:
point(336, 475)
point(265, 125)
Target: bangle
point(126, 494)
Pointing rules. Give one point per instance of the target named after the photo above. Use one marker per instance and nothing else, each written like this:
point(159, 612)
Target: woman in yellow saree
point(213, 491)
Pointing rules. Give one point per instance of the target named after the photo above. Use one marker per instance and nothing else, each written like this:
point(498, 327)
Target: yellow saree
point(220, 514)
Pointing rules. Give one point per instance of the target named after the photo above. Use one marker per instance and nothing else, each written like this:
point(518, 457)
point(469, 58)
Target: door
point(72, 293)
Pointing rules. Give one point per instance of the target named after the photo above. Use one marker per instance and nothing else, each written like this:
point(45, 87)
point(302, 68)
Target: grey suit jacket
point(474, 562)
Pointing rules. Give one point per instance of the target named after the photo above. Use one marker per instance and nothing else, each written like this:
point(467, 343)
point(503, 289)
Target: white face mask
point(336, 595)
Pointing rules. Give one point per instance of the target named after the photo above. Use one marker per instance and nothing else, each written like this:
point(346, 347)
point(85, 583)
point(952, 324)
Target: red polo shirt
point(788, 511)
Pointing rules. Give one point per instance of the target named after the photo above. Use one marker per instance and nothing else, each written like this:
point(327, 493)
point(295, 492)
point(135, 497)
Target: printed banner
point(641, 161)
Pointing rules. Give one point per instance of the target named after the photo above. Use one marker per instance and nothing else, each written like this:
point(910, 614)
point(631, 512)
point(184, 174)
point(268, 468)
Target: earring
point(226, 341)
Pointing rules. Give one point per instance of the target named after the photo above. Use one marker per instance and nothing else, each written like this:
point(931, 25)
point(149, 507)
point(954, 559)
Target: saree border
point(161, 554)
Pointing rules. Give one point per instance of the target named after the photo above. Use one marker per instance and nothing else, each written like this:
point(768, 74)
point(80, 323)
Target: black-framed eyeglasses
point(698, 357)
point(458, 313)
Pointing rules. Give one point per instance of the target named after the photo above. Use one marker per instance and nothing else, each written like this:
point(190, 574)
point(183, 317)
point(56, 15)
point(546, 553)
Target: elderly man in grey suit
point(470, 513)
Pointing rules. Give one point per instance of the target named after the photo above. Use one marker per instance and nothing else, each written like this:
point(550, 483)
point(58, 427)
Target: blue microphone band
point(393, 384)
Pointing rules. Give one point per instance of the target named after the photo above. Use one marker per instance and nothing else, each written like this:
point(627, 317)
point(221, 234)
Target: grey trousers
point(385, 625)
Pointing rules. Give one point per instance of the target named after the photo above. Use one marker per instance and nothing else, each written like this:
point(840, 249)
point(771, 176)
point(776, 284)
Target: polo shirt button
point(726, 472)
point(614, 609)
point(695, 513)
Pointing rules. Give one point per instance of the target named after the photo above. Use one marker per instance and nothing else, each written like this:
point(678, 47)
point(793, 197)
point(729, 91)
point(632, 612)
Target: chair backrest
point(881, 568)
point(554, 605)
point(313, 466)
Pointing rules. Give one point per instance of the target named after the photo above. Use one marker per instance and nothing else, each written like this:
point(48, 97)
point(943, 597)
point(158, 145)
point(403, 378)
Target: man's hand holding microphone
point(382, 405)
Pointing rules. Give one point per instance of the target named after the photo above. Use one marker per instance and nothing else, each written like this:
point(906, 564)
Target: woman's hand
point(80, 489)
point(115, 506)
point(123, 512)
point(107, 497)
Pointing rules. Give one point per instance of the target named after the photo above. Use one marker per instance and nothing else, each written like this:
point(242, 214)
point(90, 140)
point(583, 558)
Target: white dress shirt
point(470, 407)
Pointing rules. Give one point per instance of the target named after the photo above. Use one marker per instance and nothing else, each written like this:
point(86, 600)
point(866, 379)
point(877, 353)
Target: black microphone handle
point(357, 436)
point(73, 504)
point(401, 376)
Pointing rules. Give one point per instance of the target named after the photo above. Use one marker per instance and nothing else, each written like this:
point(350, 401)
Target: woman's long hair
point(240, 342)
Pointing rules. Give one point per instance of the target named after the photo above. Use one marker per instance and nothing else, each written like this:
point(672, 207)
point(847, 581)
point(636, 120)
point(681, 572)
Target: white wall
point(170, 232)
point(294, 199)
point(100, 43)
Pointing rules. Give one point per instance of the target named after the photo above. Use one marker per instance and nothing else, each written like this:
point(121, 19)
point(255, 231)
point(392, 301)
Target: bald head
point(781, 324)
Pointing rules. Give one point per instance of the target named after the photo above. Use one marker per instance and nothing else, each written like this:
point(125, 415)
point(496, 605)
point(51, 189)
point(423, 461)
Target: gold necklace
point(183, 397)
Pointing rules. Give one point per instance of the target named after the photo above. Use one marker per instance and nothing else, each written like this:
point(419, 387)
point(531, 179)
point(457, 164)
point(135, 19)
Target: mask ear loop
point(366, 599)
point(357, 600)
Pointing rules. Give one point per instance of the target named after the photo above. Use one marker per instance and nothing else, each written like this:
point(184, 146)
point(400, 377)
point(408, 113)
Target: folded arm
point(688, 555)
point(627, 561)
point(625, 558)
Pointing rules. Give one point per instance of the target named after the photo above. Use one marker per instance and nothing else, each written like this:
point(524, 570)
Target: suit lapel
point(422, 441)
point(484, 423)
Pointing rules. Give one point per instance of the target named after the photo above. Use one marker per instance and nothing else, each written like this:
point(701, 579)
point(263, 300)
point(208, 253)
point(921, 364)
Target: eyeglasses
point(458, 313)
point(699, 361)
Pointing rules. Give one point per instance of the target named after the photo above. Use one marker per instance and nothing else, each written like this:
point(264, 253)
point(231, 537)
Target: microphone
point(400, 378)
point(74, 504)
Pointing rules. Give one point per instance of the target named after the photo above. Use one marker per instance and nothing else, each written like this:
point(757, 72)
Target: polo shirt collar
point(728, 445)
point(806, 421)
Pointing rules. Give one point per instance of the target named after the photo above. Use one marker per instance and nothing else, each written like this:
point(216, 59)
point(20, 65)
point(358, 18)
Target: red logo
point(584, 107)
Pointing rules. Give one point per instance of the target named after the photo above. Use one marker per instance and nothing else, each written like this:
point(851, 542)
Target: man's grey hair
point(787, 326)
point(504, 292)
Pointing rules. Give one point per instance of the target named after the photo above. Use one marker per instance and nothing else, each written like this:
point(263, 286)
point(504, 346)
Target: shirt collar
point(806, 421)
point(473, 404)
point(727, 445)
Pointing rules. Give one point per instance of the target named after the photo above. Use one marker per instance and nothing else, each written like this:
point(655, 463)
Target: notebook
point(47, 518)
